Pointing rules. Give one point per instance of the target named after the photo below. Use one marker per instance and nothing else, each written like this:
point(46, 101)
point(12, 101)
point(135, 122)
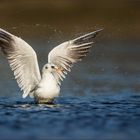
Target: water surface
point(92, 117)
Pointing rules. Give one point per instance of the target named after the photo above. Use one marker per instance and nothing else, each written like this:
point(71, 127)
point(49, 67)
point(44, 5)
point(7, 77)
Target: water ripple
point(72, 117)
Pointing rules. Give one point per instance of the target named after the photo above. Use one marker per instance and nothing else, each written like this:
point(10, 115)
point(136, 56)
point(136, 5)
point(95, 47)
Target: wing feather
point(22, 59)
point(70, 52)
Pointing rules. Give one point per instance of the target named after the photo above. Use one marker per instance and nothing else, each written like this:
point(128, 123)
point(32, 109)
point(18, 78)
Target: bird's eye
point(46, 67)
point(52, 67)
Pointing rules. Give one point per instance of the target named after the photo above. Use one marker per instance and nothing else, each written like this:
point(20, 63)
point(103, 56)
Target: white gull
point(23, 62)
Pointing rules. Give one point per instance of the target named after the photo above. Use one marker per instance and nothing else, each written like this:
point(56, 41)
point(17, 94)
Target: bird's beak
point(59, 69)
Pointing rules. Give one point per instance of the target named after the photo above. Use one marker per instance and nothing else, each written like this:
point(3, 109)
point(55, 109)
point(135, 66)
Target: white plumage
point(23, 62)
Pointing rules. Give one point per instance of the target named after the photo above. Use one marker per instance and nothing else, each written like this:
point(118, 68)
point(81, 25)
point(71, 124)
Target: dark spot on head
point(52, 67)
point(46, 67)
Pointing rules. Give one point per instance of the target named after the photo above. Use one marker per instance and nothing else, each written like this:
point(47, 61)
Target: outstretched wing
point(70, 52)
point(22, 59)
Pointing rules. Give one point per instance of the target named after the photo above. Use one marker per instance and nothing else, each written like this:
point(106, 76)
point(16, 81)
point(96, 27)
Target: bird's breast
point(48, 87)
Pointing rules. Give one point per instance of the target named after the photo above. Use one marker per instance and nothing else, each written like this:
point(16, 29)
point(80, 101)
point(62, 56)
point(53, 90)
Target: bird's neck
point(48, 77)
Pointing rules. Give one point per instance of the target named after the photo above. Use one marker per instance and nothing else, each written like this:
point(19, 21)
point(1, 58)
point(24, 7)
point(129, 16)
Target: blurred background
point(32, 18)
point(45, 24)
point(100, 97)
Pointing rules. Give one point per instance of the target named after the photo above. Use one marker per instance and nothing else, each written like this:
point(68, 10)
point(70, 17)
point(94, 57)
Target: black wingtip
point(87, 37)
point(4, 35)
point(99, 30)
point(94, 33)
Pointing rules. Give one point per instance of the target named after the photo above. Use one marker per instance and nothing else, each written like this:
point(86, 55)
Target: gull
point(43, 87)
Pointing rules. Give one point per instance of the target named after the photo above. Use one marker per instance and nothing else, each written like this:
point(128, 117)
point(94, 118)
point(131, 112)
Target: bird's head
point(49, 68)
